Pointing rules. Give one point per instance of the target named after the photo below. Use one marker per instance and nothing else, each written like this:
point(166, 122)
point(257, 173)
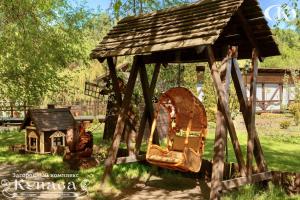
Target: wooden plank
point(130, 159)
point(238, 182)
point(177, 12)
point(156, 47)
point(144, 116)
point(174, 25)
point(177, 56)
point(263, 97)
point(220, 136)
point(241, 92)
point(281, 95)
point(249, 32)
point(112, 153)
point(252, 112)
point(225, 109)
point(156, 39)
point(149, 41)
point(148, 98)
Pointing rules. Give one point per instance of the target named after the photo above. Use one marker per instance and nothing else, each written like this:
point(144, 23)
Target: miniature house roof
point(50, 119)
point(206, 22)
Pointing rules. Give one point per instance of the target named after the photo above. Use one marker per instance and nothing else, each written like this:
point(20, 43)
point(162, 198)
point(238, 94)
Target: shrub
point(294, 108)
point(285, 124)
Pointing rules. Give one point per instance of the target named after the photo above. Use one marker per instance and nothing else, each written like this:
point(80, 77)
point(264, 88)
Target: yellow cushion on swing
point(194, 142)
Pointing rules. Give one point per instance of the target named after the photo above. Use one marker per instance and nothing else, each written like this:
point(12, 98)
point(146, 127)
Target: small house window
point(33, 144)
point(32, 141)
point(57, 139)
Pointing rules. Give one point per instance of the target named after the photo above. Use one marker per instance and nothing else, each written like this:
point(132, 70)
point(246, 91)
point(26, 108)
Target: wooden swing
point(187, 130)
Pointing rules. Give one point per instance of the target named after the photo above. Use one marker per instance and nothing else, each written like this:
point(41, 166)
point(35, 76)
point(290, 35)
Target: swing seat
point(187, 116)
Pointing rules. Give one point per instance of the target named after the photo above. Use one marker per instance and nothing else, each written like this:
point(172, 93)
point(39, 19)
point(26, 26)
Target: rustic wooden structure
point(10, 109)
point(275, 89)
point(205, 31)
point(48, 128)
point(187, 130)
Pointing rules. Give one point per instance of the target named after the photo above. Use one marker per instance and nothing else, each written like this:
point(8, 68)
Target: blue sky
point(265, 4)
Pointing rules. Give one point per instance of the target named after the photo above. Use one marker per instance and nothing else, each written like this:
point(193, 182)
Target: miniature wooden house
point(47, 129)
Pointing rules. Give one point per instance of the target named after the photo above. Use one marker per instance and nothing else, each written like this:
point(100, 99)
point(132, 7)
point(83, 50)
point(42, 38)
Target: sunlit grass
point(282, 152)
point(253, 192)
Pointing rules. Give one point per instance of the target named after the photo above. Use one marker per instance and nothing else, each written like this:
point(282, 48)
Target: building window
point(33, 144)
point(58, 141)
point(32, 141)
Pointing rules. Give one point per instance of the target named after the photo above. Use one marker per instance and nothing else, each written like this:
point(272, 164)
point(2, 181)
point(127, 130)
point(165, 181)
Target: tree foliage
point(289, 45)
point(37, 40)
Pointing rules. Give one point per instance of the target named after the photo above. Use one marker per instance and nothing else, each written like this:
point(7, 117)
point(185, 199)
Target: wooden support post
point(281, 96)
point(113, 75)
point(144, 116)
point(252, 110)
point(221, 133)
point(223, 113)
point(263, 96)
point(242, 97)
point(112, 153)
point(11, 109)
point(225, 109)
point(148, 98)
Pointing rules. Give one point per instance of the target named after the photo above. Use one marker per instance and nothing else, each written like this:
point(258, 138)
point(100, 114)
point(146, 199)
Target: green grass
point(253, 192)
point(282, 152)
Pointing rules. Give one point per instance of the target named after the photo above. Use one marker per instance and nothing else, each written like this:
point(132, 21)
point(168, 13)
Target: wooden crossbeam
point(238, 182)
point(131, 159)
point(242, 97)
point(225, 109)
point(144, 116)
point(112, 152)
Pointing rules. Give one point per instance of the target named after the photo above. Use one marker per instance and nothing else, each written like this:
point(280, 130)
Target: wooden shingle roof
point(50, 119)
point(206, 22)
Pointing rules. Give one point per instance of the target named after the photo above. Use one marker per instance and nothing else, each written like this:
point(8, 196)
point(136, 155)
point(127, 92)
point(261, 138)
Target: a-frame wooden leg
point(112, 153)
point(111, 62)
point(148, 98)
point(252, 110)
point(242, 97)
point(113, 74)
point(144, 116)
point(220, 137)
point(225, 110)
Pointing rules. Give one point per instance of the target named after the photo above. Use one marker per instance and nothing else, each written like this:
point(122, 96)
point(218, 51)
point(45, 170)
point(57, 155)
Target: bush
point(285, 124)
point(294, 108)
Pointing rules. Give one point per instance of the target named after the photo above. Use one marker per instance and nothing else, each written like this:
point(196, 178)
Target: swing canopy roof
point(188, 28)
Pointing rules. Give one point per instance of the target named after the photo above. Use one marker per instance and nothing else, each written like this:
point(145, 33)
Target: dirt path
point(171, 188)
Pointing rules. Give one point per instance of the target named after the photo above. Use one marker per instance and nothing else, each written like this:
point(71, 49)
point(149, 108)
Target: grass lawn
point(282, 152)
